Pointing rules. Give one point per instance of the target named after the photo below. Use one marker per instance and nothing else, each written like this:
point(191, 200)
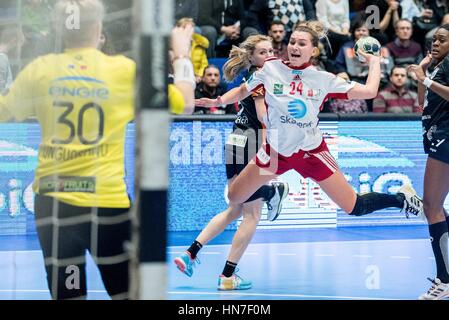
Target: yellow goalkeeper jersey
point(83, 100)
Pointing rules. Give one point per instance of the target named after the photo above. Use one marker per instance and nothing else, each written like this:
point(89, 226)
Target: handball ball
point(367, 45)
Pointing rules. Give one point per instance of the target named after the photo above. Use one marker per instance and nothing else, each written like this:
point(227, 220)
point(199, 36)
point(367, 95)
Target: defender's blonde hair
point(239, 56)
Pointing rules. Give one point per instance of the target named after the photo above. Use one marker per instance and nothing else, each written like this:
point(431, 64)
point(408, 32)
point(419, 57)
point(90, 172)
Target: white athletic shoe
point(437, 291)
point(274, 205)
point(412, 204)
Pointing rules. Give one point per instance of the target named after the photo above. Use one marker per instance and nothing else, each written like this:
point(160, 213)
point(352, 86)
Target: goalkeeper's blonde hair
point(75, 20)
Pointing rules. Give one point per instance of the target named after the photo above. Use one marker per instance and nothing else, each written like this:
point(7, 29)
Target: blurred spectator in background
point(334, 14)
point(36, 28)
point(262, 12)
point(347, 106)
point(223, 23)
point(290, 12)
point(430, 34)
point(119, 26)
point(410, 9)
point(277, 34)
point(247, 4)
point(396, 97)
point(11, 40)
point(186, 8)
point(198, 49)
point(211, 87)
point(431, 13)
point(403, 49)
point(259, 16)
point(106, 46)
point(35, 16)
point(320, 60)
point(390, 12)
point(439, 8)
point(356, 5)
point(8, 9)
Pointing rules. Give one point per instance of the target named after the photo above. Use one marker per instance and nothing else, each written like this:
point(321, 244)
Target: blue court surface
point(343, 263)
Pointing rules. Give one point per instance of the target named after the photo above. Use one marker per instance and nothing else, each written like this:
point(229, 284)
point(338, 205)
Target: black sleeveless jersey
point(435, 118)
point(247, 116)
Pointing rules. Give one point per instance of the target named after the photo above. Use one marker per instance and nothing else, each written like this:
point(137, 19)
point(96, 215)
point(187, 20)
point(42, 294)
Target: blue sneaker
point(185, 263)
point(234, 282)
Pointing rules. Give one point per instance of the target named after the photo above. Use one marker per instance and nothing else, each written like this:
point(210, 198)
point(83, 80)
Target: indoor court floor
point(367, 263)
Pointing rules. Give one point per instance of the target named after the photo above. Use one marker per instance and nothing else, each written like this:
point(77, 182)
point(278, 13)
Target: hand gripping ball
point(368, 45)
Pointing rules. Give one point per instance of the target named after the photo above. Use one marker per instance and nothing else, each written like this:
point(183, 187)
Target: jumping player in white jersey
point(433, 94)
point(294, 94)
point(241, 147)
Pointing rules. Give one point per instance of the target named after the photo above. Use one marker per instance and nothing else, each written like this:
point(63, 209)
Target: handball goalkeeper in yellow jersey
point(83, 100)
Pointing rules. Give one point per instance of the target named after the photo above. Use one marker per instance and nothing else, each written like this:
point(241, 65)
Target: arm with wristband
point(424, 64)
point(184, 76)
point(426, 82)
point(234, 95)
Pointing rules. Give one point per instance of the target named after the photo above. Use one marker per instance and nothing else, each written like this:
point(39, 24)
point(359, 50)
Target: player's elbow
point(371, 93)
point(364, 92)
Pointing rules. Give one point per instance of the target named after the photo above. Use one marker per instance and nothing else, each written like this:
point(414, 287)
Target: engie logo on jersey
point(57, 89)
point(297, 109)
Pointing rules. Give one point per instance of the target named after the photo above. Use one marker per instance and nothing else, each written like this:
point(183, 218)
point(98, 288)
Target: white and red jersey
point(294, 96)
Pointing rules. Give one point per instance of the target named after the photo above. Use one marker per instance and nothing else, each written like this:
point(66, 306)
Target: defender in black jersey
point(433, 93)
point(246, 138)
point(241, 146)
point(435, 118)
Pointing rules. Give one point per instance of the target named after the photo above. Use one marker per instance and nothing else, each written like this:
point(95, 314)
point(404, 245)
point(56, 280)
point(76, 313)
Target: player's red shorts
point(317, 164)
